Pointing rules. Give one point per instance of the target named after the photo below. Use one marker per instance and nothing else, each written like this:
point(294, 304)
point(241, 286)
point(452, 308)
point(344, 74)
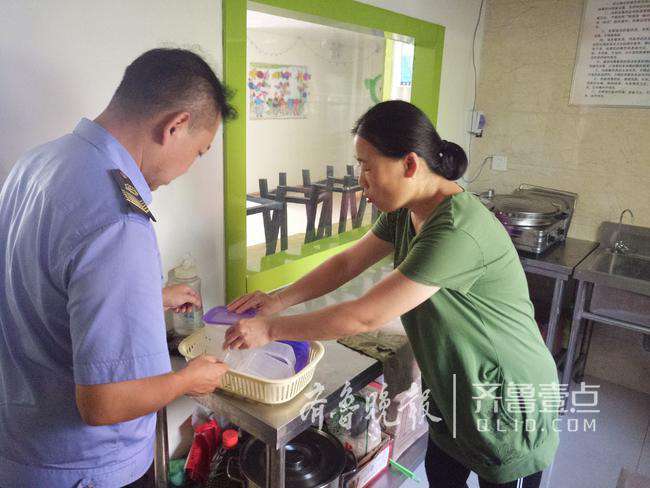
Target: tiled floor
point(594, 458)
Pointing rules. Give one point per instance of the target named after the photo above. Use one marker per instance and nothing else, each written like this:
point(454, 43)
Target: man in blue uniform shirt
point(83, 358)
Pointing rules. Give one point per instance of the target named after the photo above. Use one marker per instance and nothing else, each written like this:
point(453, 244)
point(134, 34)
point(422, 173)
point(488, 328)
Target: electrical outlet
point(499, 162)
point(475, 122)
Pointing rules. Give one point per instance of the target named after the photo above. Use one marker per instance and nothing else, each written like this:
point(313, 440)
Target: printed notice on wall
point(613, 59)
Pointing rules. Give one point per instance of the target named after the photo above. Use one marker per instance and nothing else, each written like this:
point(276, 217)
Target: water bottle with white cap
point(186, 274)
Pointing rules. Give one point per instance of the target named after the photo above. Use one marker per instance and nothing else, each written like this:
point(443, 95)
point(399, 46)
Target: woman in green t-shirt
point(462, 296)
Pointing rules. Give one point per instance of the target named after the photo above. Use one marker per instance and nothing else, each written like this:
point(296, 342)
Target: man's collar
point(104, 141)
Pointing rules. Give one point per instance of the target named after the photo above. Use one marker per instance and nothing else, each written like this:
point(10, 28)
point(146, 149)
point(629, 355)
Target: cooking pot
point(313, 459)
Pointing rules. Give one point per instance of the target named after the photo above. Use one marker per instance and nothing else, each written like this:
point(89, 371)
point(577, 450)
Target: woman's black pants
point(443, 471)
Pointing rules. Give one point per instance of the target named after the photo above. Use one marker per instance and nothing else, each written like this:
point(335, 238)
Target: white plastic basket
point(248, 386)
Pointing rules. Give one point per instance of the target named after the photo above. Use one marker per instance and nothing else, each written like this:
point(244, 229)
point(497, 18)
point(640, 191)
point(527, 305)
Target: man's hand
point(265, 304)
point(248, 334)
point(111, 403)
point(180, 298)
point(203, 374)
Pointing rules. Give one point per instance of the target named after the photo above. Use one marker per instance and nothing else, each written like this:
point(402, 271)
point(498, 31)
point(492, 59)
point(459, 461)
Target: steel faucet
point(620, 247)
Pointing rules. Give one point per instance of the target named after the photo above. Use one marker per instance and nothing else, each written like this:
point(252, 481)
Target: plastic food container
point(221, 316)
point(209, 340)
point(274, 361)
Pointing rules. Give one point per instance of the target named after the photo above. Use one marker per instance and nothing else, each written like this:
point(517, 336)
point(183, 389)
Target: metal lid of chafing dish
point(528, 209)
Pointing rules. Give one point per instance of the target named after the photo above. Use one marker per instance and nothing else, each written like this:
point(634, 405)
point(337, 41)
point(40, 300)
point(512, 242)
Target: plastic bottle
point(186, 273)
point(204, 446)
point(219, 476)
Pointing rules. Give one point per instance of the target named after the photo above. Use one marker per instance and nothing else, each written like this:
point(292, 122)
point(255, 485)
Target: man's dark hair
point(173, 80)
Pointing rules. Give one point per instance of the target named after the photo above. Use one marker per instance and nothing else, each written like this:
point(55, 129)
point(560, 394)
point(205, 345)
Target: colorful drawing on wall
point(278, 91)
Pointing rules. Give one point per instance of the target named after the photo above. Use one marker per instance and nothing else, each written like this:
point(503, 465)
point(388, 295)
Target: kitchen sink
point(614, 285)
point(632, 266)
point(623, 270)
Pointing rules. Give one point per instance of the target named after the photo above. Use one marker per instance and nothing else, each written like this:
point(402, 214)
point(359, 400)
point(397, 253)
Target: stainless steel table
point(278, 424)
point(626, 273)
point(557, 263)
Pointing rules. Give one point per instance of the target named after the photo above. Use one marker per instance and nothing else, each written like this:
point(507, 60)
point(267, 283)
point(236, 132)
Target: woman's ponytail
point(396, 128)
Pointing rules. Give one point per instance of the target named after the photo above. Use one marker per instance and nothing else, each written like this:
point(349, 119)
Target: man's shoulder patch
point(130, 194)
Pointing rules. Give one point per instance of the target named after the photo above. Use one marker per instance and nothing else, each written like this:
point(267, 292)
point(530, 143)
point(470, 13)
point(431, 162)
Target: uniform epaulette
point(130, 194)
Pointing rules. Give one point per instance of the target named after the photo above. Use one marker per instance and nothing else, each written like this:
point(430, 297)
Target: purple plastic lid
point(220, 315)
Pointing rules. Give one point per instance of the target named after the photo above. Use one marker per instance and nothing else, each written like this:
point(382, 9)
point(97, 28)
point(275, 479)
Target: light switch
point(499, 162)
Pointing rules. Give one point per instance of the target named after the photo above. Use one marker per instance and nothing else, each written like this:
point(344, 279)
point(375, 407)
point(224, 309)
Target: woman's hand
point(248, 334)
point(265, 304)
point(180, 298)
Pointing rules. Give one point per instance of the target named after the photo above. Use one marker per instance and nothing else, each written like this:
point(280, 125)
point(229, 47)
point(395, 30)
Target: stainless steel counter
point(559, 261)
point(623, 279)
point(625, 269)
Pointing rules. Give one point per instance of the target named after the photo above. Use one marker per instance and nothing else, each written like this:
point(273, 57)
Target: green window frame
point(427, 68)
